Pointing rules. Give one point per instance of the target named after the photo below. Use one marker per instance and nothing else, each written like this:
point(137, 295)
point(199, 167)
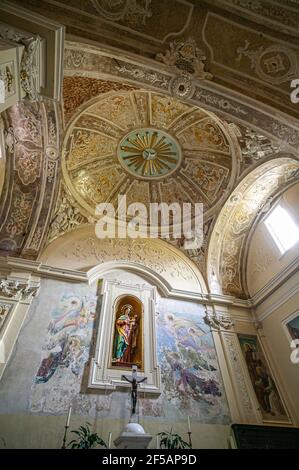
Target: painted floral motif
point(28, 164)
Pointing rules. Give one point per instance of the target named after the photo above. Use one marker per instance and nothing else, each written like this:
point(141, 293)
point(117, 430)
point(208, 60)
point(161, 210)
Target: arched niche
point(226, 263)
point(105, 373)
point(127, 341)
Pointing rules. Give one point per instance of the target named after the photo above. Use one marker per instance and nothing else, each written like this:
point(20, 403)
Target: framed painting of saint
point(127, 343)
point(270, 403)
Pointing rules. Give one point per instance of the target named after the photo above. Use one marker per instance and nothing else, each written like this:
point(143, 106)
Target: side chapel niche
point(127, 344)
point(126, 336)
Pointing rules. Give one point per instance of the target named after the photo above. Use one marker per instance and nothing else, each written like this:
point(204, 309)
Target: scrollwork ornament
point(17, 290)
point(28, 65)
point(218, 321)
point(185, 56)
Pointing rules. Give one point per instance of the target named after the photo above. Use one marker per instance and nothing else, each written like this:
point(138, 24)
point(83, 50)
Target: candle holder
point(64, 437)
point(190, 440)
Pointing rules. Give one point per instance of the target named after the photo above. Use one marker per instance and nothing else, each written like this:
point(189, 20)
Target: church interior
point(162, 101)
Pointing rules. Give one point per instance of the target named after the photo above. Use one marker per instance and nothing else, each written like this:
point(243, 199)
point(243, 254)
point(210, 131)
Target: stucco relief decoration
point(66, 217)
point(5, 310)
point(184, 56)
point(29, 62)
point(217, 321)
point(32, 142)
point(275, 64)
point(142, 75)
point(219, 102)
point(131, 11)
point(75, 58)
point(28, 163)
point(20, 212)
point(181, 151)
point(236, 218)
point(257, 146)
point(183, 87)
point(276, 12)
point(159, 256)
point(17, 290)
point(7, 74)
point(230, 341)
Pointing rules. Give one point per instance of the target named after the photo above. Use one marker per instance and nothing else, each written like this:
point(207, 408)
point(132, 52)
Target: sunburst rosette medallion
point(150, 148)
point(149, 153)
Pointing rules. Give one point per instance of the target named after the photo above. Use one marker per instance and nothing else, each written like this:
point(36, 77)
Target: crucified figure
point(134, 380)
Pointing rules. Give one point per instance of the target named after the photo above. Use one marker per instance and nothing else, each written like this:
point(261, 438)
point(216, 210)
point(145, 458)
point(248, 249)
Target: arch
point(155, 259)
point(265, 268)
point(225, 262)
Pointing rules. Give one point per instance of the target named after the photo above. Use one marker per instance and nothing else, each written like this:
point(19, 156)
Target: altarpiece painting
point(266, 392)
point(126, 336)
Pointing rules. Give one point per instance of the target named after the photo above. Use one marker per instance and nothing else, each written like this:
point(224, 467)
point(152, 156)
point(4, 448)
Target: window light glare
point(282, 228)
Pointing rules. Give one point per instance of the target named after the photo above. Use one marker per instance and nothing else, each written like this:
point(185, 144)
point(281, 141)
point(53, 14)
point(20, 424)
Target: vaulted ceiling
point(163, 100)
point(151, 148)
point(248, 46)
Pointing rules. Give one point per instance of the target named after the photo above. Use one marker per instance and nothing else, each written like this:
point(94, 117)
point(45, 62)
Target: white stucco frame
point(102, 375)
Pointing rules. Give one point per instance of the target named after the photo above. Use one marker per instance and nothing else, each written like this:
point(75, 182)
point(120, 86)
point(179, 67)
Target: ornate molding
point(29, 66)
point(103, 375)
point(275, 64)
point(132, 12)
point(218, 322)
point(256, 146)
point(66, 217)
point(32, 136)
point(228, 240)
point(185, 57)
point(17, 290)
point(232, 350)
point(99, 63)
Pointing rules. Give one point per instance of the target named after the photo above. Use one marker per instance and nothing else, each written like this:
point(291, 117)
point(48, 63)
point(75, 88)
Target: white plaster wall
point(32, 414)
point(273, 312)
point(264, 259)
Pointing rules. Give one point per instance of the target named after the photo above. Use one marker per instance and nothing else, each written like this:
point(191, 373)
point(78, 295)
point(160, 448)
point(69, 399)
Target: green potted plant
point(86, 439)
point(170, 440)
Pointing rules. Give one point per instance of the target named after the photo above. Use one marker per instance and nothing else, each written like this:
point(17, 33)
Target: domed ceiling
point(150, 147)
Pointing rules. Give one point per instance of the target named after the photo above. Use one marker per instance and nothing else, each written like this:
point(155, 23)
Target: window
point(282, 228)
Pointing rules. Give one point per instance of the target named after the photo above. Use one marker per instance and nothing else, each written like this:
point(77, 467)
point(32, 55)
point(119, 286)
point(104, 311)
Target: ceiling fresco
point(252, 196)
point(250, 47)
point(32, 135)
point(164, 101)
point(244, 150)
point(150, 147)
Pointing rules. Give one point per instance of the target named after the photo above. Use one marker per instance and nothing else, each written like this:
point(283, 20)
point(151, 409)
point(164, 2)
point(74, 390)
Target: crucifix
point(134, 381)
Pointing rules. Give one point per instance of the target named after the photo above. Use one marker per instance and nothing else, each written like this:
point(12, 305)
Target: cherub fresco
point(68, 337)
